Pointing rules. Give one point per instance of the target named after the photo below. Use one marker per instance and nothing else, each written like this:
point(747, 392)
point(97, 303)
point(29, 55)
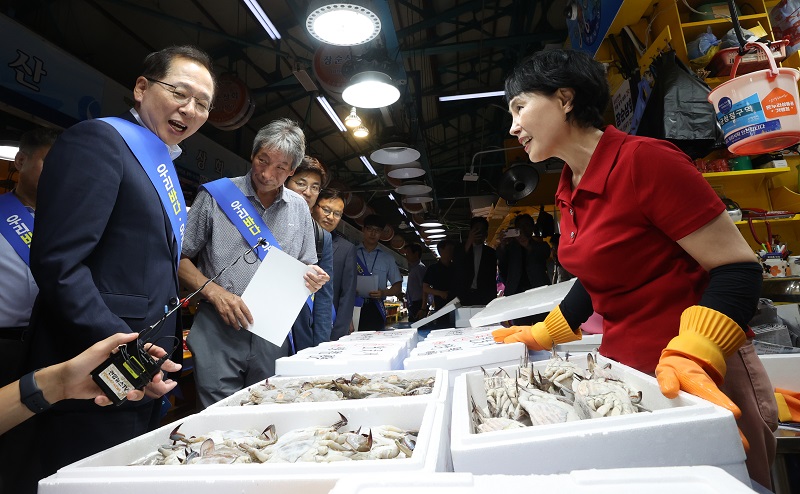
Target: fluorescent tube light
point(457, 97)
point(401, 212)
point(391, 197)
point(263, 19)
point(332, 114)
point(368, 165)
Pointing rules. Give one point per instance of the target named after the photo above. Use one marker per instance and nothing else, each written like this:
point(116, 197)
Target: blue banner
point(16, 225)
point(153, 156)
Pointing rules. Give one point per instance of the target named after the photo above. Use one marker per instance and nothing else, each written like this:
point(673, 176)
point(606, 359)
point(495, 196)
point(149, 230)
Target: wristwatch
point(30, 394)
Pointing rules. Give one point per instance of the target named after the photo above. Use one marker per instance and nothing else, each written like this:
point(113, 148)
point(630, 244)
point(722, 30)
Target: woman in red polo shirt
point(653, 248)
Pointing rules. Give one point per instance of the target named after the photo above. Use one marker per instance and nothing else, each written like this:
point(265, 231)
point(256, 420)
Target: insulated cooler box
point(681, 432)
point(107, 471)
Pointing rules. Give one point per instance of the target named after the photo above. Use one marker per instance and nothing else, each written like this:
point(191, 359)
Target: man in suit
point(328, 212)
point(476, 265)
point(108, 240)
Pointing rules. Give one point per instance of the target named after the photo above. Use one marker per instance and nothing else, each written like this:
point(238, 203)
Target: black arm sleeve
point(576, 306)
point(734, 290)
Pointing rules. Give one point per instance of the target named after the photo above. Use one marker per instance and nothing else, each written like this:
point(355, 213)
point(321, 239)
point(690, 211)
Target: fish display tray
point(343, 357)
point(684, 431)
point(439, 393)
point(460, 360)
point(108, 469)
point(662, 480)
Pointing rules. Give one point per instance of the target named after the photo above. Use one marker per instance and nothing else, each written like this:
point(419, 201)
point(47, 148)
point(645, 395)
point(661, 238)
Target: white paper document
point(366, 284)
point(275, 295)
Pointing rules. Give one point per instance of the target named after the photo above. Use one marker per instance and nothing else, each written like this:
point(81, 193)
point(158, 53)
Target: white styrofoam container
point(409, 336)
point(660, 480)
point(469, 359)
point(439, 393)
point(530, 302)
point(463, 315)
point(344, 358)
point(684, 431)
point(783, 370)
point(587, 343)
point(444, 334)
point(94, 475)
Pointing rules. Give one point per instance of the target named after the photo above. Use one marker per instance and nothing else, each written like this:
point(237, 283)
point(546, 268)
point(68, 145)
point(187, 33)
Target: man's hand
point(231, 308)
point(376, 294)
point(160, 386)
point(315, 277)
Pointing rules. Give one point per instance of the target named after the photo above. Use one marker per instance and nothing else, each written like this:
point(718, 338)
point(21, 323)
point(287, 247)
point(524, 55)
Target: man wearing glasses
point(328, 212)
point(375, 266)
point(314, 323)
point(108, 236)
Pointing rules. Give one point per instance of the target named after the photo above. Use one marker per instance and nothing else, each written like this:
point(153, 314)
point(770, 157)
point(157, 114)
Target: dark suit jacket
point(103, 252)
point(487, 276)
point(510, 264)
point(344, 285)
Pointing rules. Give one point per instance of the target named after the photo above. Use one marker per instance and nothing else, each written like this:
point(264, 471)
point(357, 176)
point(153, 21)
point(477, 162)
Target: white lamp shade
point(343, 24)
point(435, 230)
point(361, 131)
point(404, 173)
point(437, 235)
point(417, 199)
point(413, 189)
point(395, 154)
point(430, 223)
point(370, 89)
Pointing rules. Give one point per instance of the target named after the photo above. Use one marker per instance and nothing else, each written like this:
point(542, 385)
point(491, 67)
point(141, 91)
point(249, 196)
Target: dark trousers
point(371, 318)
point(301, 330)
point(413, 309)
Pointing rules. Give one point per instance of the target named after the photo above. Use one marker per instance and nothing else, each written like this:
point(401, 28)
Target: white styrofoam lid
point(528, 303)
point(448, 307)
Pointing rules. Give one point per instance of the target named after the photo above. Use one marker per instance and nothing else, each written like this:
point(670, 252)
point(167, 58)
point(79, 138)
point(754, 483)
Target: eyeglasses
point(182, 96)
point(329, 212)
point(302, 186)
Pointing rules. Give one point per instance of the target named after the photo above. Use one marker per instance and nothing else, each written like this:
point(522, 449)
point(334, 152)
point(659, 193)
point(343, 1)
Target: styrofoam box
point(459, 361)
point(439, 393)
point(94, 475)
point(684, 431)
point(443, 334)
point(343, 358)
point(587, 343)
point(463, 315)
point(528, 303)
point(409, 336)
point(783, 370)
point(663, 480)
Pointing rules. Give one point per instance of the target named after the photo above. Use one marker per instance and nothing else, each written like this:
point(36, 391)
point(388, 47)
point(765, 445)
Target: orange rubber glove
point(542, 335)
point(694, 361)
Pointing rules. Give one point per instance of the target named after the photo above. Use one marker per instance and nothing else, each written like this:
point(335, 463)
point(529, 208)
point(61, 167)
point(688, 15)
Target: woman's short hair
point(545, 72)
point(284, 136)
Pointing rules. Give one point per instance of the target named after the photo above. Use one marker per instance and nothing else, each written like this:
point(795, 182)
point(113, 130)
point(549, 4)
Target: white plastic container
point(463, 315)
point(783, 370)
point(587, 343)
point(409, 336)
point(534, 301)
point(345, 357)
point(460, 360)
point(95, 474)
point(664, 480)
point(680, 432)
point(439, 393)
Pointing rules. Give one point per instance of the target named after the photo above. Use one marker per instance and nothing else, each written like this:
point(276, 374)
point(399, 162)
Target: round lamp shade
point(405, 173)
point(413, 207)
point(370, 89)
point(342, 24)
point(397, 242)
point(355, 207)
point(387, 233)
point(418, 199)
point(413, 189)
point(394, 154)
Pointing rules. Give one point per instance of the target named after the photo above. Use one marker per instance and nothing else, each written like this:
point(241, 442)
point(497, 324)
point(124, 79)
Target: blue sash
point(16, 225)
point(233, 203)
point(152, 154)
point(362, 269)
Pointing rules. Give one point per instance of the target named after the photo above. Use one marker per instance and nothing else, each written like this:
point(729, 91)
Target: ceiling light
point(435, 230)
point(368, 165)
point(437, 235)
point(263, 19)
point(403, 213)
point(343, 24)
point(8, 150)
point(417, 199)
point(361, 131)
point(331, 114)
point(457, 97)
point(370, 89)
point(430, 224)
point(404, 173)
point(391, 196)
point(352, 120)
point(413, 188)
point(395, 153)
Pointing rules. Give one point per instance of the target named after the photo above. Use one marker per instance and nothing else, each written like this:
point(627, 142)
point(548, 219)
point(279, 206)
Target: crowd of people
point(114, 242)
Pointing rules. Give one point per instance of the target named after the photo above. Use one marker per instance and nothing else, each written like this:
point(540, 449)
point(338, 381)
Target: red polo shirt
point(619, 229)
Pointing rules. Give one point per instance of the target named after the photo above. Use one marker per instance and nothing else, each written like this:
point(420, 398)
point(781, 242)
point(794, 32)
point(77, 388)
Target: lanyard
point(364, 265)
